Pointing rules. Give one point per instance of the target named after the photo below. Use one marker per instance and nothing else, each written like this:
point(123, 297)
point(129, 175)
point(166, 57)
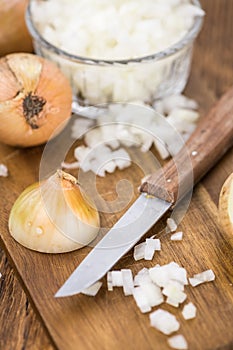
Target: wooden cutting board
point(110, 320)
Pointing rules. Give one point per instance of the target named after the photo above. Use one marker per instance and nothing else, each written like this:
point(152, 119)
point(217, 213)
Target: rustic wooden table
point(212, 74)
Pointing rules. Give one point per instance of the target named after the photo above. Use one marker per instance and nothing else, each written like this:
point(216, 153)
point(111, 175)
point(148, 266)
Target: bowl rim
point(187, 39)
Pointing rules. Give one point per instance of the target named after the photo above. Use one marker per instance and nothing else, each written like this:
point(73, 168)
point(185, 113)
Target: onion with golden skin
point(226, 206)
point(35, 100)
point(54, 216)
point(14, 36)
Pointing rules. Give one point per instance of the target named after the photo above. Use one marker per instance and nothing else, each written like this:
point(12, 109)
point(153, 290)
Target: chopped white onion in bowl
point(126, 30)
point(118, 30)
point(170, 103)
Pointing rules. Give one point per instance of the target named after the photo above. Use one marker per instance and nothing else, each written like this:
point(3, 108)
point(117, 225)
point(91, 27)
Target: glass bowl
point(97, 81)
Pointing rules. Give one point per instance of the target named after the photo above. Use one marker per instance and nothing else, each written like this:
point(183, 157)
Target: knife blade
point(211, 139)
point(140, 217)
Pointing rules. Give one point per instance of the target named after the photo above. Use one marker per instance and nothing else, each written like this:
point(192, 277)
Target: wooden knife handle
point(211, 139)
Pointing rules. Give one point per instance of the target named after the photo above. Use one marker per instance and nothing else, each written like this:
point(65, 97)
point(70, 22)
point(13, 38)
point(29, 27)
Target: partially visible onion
point(54, 216)
point(35, 99)
point(14, 36)
point(226, 206)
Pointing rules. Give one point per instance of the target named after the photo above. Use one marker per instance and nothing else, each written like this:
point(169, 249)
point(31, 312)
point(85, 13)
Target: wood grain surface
point(111, 321)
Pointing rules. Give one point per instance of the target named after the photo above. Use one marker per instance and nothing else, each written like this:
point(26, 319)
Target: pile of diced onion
point(127, 125)
point(115, 30)
point(151, 287)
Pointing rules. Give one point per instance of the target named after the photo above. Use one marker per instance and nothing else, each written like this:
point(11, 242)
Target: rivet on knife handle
point(211, 139)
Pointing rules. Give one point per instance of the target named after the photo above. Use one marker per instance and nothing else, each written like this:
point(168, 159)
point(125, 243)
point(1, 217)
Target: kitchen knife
point(211, 139)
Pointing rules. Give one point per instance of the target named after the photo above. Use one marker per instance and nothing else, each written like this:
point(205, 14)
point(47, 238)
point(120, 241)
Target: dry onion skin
point(35, 100)
point(226, 205)
point(14, 36)
point(54, 216)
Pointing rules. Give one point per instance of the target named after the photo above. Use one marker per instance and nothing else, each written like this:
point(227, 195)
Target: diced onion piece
point(172, 302)
point(93, 289)
point(171, 224)
point(109, 281)
point(81, 152)
point(205, 276)
point(139, 251)
point(194, 281)
point(151, 246)
point(178, 342)
point(93, 137)
point(117, 279)
point(3, 170)
point(159, 275)
point(189, 311)
point(152, 293)
point(178, 274)
point(177, 101)
point(157, 244)
point(162, 150)
point(164, 321)
point(127, 279)
point(80, 127)
point(121, 158)
point(141, 300)
point(178, 236)
point(162, 275)
point(181, 115)
point(142, 277)
point(149, 249)
point(191, 10)
point(174, 293)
